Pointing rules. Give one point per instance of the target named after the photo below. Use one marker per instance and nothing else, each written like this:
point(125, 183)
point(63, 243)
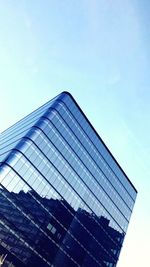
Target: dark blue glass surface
point(64, 200)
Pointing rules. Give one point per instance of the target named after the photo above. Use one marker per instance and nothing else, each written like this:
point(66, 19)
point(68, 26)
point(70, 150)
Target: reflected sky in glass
point(99, 51)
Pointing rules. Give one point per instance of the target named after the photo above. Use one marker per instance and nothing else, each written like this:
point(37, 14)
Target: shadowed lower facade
point(64, 199)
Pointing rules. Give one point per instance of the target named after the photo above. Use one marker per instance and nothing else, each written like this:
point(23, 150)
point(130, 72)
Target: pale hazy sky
point(99, 50)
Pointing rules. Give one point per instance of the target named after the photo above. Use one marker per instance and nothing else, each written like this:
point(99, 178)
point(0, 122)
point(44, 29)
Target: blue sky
point(99, 51)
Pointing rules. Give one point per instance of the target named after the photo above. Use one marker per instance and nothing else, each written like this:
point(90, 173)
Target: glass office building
point(64, 199)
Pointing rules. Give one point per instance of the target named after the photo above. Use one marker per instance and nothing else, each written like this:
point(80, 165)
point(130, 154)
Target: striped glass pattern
point(64, 199)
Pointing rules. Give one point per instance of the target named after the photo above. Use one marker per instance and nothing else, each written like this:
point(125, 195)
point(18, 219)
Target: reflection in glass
point(39, 232)
point(64, 200)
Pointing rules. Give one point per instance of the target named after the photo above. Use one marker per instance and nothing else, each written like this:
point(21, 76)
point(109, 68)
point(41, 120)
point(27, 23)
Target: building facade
point(64, 199)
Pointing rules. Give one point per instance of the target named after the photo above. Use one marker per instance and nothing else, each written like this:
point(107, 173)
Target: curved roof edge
point(68, 93)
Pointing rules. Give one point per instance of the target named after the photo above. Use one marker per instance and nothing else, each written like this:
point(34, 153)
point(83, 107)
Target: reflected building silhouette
point(64, 199)
point(53, 230)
